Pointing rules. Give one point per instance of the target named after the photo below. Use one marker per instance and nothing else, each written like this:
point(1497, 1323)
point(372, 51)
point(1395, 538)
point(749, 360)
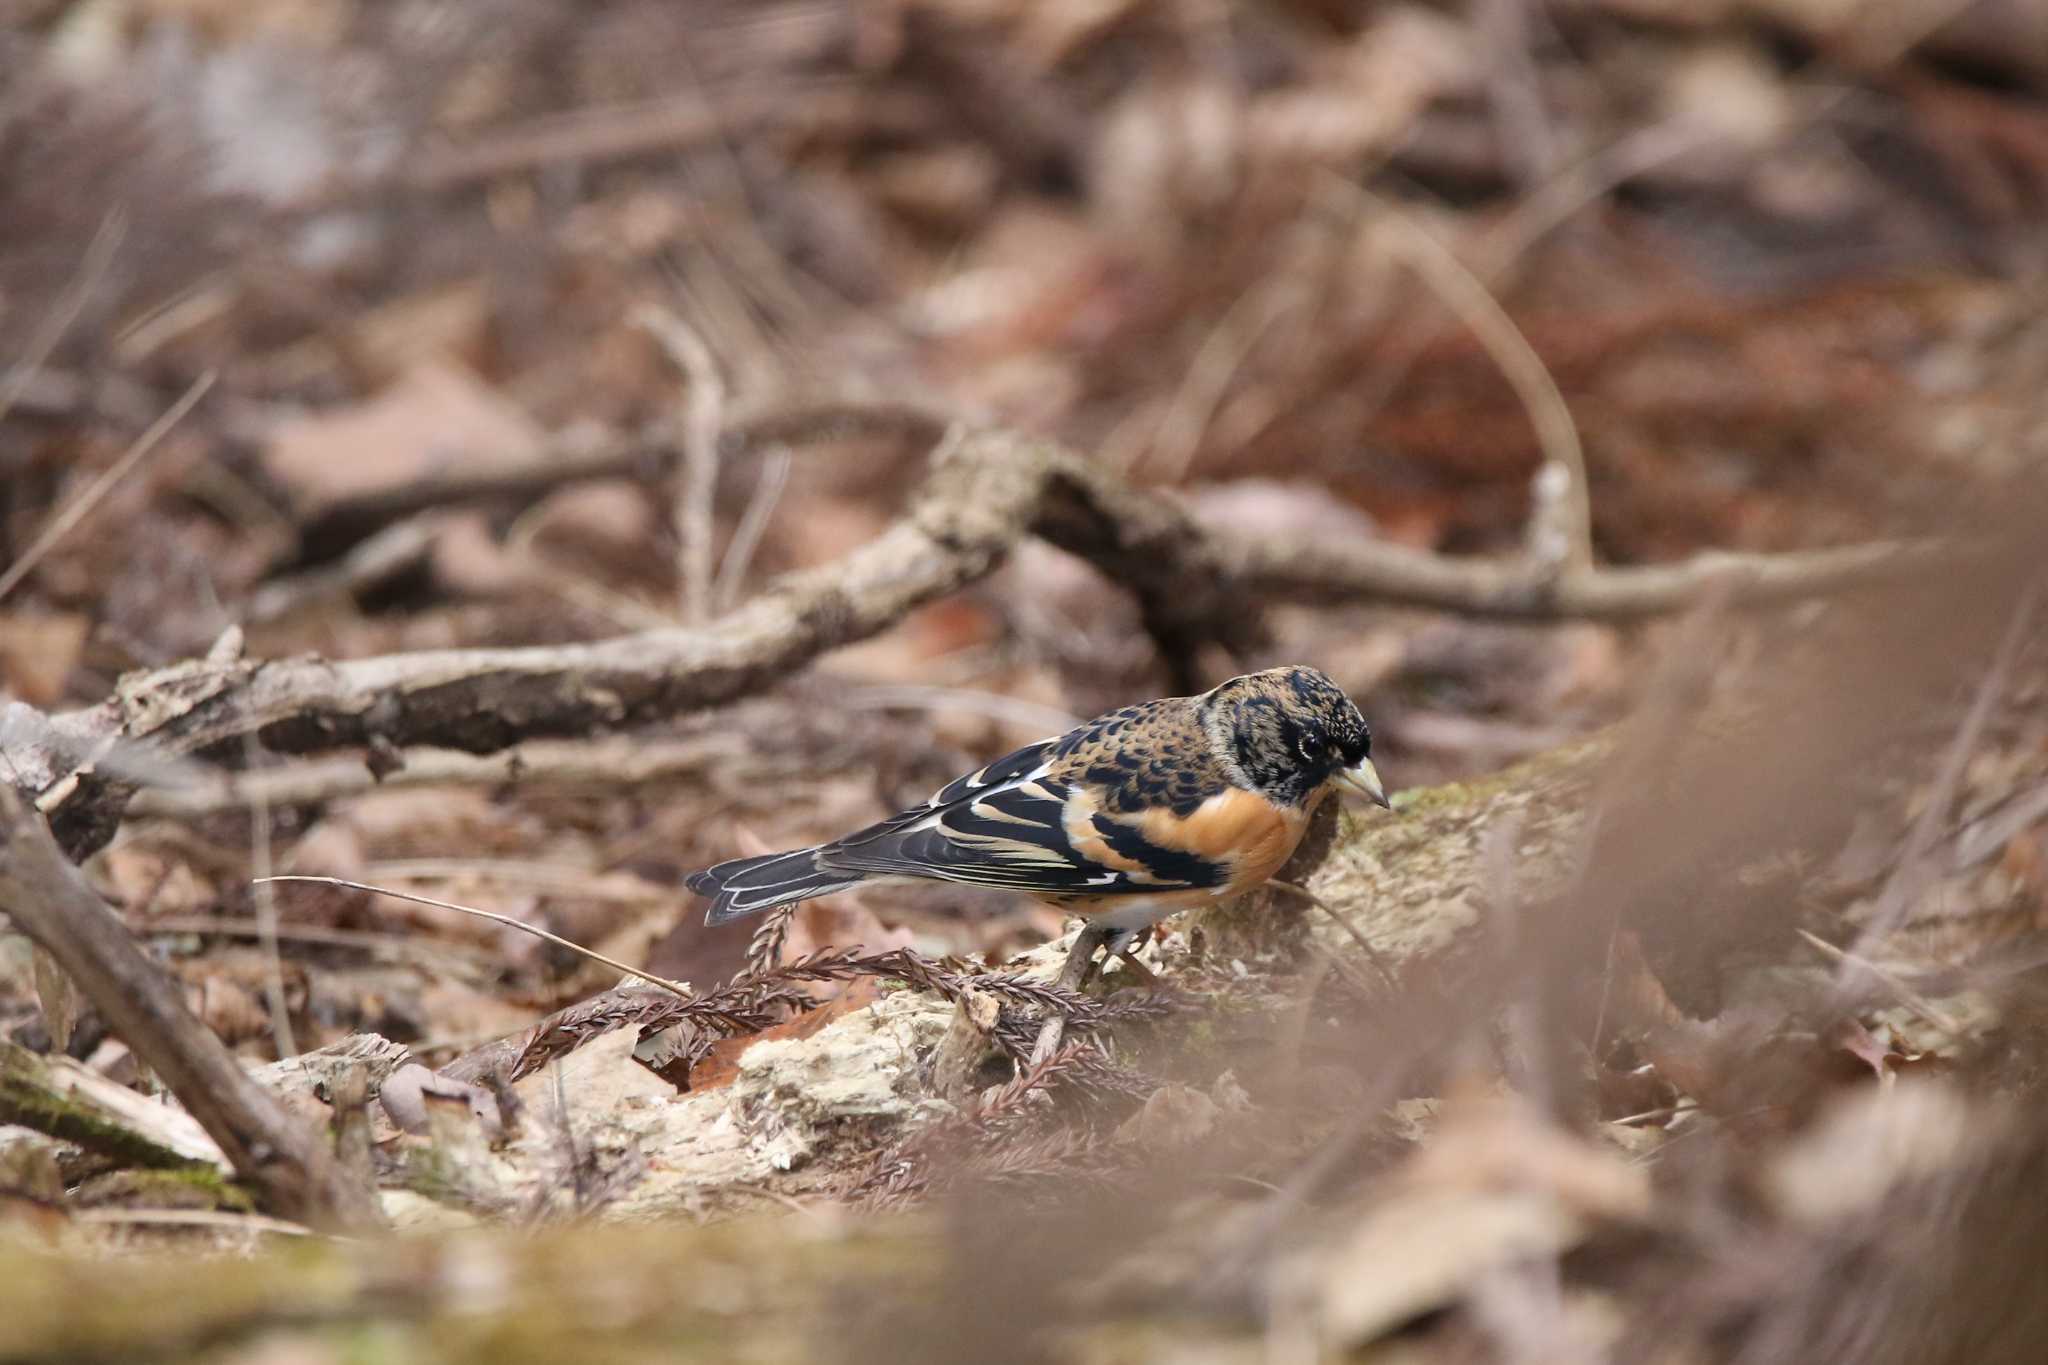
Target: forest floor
point(509, 455)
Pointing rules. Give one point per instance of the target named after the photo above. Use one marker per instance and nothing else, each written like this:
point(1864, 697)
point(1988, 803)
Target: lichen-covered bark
point(1418, 882)
point(30, 1098)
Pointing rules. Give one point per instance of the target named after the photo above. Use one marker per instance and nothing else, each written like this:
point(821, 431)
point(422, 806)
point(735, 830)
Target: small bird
point(1152, 808)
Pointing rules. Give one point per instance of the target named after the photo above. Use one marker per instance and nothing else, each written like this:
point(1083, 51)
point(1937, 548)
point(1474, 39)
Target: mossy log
point(33, 1096)
point(758, 1290)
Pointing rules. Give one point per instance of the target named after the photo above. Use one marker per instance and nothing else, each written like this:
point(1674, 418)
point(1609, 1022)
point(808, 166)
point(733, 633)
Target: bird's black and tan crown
point(1285, 732)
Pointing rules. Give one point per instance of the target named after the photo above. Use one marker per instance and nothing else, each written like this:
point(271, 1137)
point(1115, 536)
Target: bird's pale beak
point(1365, 780)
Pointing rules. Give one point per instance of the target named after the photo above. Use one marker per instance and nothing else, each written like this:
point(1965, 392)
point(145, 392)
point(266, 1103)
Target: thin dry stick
point(675, 988)
point(753, 524)
point(1372, 954)
point(80, 507)
point(1521, 118)
point(99, 253)
point(382, 557)
point(581, 590)
point(703, 422)
point(1207, 379)
point(1467, 296)
point(260, 860)
point(1561, 197)
point(609, 761)
point(1904, 994)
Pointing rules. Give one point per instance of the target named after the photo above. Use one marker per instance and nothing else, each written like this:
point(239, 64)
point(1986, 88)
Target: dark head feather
point(1284, 731)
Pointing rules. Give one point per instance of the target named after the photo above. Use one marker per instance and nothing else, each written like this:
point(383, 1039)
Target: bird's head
point(1288, 732)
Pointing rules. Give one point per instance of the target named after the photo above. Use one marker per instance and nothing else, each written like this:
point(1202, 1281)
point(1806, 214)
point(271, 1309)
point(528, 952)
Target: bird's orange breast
point(1240, 831)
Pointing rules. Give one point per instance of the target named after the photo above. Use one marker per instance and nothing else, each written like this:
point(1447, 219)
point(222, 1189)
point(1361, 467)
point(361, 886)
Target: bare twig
point(1203, 387)
point(1987, 838)
point(634, 973)
point(1563, 539)
point(1342, 921)
point(702, 424)
point(1505, 590)
point(608, 762)
point(753, 524)
point(261, 864)
point(99, 252)
point(80, 507)
point(397, 548)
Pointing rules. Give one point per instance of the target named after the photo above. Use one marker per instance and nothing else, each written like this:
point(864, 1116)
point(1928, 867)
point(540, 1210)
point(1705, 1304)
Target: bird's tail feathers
point(748, 886)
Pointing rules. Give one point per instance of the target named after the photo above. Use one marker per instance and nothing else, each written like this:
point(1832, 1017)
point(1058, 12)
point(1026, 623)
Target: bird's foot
point(1074, 976)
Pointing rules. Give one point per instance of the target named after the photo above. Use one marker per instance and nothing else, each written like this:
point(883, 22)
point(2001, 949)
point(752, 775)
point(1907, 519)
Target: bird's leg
point(1124, 943)
point(1073, 976)
point(1129, 953)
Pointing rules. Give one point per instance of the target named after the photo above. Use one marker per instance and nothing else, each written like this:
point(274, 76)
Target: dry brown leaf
point(1495, 1187)
point(1173, 1116)
point(448, 322)
point(1420, 1251)
point(721, 1064)
point(435, 420)
point(1870, 1142)
point(38, 650)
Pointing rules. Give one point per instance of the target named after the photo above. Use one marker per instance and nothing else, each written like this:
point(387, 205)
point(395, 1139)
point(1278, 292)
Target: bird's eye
point(1311, 747)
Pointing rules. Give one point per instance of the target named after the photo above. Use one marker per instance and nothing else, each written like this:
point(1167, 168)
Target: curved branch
point(1195, 586)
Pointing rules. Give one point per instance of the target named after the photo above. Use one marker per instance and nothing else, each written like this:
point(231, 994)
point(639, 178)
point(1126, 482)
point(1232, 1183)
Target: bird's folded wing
point(1027, 833)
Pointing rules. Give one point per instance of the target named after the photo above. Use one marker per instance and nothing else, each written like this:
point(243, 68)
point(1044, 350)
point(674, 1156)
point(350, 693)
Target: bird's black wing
point(1026, 832)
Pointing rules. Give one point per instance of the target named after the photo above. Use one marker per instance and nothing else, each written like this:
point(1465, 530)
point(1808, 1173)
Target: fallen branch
point(285, 1161)
point(611, 762)
point(94, 493)
point(987, 490)
point(1508, 590)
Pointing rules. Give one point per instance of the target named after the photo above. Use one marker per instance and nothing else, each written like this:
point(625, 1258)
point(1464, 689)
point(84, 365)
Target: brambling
point(1147, 810)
